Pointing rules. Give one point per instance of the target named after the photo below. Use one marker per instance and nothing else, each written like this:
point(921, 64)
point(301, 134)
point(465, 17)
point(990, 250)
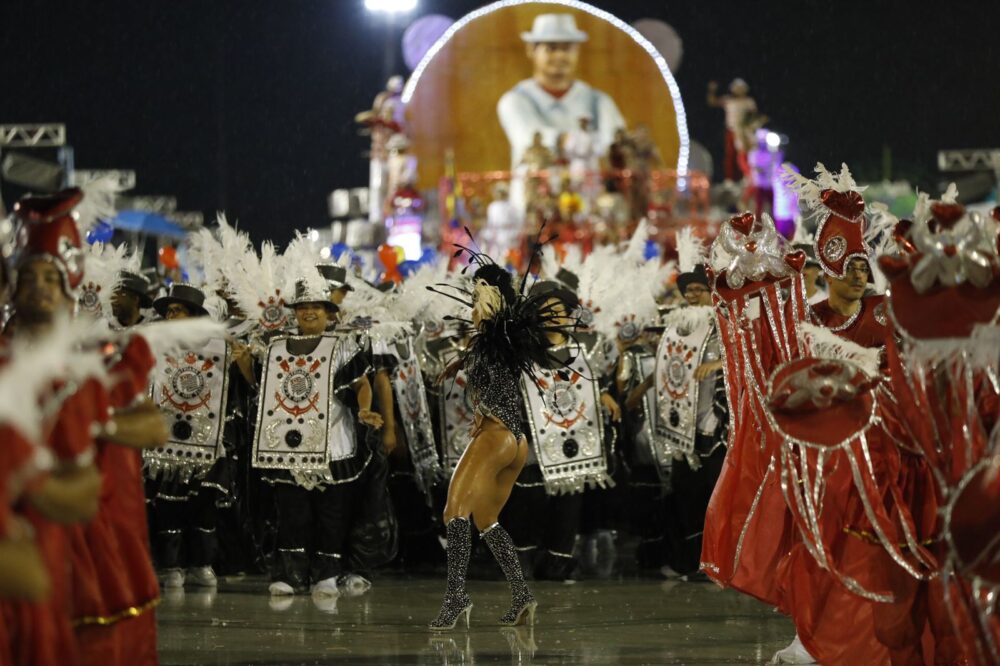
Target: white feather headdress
point(102, 277)
point(691, 250)
point(367, 308)
point(413, 301)
point(217, 254)
point(98, 202)
point(810, 190)
point(622, 286)
point(262, 288)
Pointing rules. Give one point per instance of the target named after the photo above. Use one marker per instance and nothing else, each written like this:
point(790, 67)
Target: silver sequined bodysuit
point(495, 392)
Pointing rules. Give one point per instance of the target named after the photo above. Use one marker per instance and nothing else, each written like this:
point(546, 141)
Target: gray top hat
point(186, 294)
point(335, 275)
point(303, 295)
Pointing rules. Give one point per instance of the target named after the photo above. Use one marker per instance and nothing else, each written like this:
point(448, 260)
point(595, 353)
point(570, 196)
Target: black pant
point(418, 544)
point(185, 516)
point(313, 530)
point(543, 527)
point(692, 490)
point(648, 516)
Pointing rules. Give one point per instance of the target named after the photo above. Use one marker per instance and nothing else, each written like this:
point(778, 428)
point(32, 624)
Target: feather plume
point(415, 302)
point(98, 202)
point(302, 251)
point(823, 343)
point(635, 250)
point(367, 307)
point(35, 363)
point(810, 190)
point(688, 316)
point(950, 195)
point(691, 250)
point(219, 253)
point(104, 265)
point(166, 336)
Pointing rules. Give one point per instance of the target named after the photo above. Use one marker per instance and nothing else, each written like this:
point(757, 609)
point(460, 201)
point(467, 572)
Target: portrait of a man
point(554, 100)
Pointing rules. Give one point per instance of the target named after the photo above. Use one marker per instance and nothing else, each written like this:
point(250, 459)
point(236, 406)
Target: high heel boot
point(522, 603)
point(456, 600)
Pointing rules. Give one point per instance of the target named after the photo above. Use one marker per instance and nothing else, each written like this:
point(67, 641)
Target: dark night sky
point(248, 105)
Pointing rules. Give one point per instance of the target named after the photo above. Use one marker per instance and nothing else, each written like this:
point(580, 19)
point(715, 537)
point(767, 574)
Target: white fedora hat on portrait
point(554, 28)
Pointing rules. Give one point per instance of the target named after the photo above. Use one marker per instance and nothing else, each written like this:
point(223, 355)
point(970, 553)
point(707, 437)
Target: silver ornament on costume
point(834, 249)
point(951, 257)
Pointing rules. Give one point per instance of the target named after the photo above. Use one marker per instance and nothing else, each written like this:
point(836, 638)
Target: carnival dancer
point(195, 469)
point(757, 291)
point(49, 273)
point(568, 443)
point(24, 465)
point(314, 394)
point(943, 308)
point(647, 463)
point(509, 338)
point(844, 255)
point(114, 583)
point(691, 413)
point(215, 257)
point(130, 298)
point(862, 550)
point(411, 471)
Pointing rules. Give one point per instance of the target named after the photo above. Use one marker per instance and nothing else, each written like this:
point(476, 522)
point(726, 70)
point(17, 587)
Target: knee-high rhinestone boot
point(456, 600)
point(522, 603)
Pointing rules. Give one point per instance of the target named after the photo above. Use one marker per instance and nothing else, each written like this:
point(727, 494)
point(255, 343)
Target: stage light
point(684, 151)
point(391, 6)
point(773, 140)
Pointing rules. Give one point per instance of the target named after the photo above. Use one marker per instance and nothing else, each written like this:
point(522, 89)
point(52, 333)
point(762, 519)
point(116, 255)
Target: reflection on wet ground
point(592, 622)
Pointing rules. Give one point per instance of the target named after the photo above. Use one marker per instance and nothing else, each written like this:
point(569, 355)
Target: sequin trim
point(105, 620)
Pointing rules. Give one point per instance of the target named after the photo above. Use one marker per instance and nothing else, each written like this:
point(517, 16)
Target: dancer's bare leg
point(479, 488)
point(485, 475)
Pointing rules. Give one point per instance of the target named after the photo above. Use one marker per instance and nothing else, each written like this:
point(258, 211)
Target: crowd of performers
point(831, 453)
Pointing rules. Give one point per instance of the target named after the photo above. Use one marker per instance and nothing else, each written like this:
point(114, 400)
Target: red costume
point(942, 358)
point(115, 586)
point(22, 466)
point(747, 527)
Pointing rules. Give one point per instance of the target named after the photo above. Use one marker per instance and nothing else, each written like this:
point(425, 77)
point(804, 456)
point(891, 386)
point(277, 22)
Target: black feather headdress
point(517, 335)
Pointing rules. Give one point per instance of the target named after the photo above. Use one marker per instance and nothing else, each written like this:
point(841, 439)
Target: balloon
point(408, 268)
point(421, 35)
point(428, 256)
point(390, 260)
point(652, 249)
point(168, 257)
point(338, 249)
point(100, 233)
point(666, 40)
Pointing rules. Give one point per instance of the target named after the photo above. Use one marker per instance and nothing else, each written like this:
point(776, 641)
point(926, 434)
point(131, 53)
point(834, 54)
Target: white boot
point(173, 579)
point(327, 587)
point(202, 577)
point(795, 653)
point(281, 589)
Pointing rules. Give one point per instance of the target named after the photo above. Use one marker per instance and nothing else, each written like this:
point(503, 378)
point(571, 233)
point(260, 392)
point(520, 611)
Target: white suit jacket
point(527, 108)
